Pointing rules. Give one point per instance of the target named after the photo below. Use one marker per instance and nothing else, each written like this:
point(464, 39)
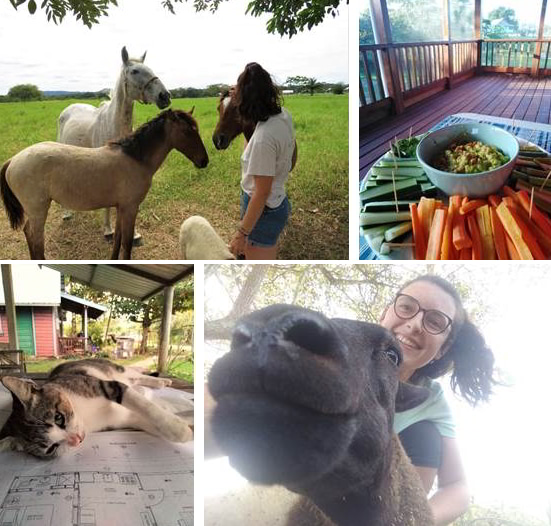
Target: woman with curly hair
point(428, 320)
point(269, 156)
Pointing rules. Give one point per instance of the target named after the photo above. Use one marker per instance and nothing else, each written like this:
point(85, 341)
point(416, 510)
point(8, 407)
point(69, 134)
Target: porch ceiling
point(139, 282)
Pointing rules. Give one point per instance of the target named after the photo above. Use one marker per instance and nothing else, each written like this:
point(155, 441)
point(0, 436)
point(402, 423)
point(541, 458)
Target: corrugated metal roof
point(76, 305)
point(138, 282)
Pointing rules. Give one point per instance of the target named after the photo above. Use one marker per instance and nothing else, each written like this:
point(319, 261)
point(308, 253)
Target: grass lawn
point(178, 369)
point(317, 188)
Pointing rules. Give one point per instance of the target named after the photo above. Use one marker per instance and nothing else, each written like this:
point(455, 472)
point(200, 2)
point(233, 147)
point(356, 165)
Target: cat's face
point(43, 422)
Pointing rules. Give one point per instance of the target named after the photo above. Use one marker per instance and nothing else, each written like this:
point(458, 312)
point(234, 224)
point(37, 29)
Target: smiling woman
point(436, 338)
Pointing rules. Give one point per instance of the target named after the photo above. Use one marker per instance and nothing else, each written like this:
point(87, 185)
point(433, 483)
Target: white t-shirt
point(434, 408)
point(270, 152)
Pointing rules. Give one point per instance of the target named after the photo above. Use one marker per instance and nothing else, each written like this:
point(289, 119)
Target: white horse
point(91, 127)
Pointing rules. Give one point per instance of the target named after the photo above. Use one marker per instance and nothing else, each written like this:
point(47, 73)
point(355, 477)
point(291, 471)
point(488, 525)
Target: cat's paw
point(179, 431)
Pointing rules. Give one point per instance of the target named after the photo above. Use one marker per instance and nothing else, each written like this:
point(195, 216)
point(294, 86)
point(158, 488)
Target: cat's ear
point(23, 389)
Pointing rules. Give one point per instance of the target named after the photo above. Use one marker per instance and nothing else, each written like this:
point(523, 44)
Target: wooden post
point(85, 330)
point(537, 54)
point(478, 34)
point(446, 20)
point(383, 35)
point(7, 282)
point(165, 328)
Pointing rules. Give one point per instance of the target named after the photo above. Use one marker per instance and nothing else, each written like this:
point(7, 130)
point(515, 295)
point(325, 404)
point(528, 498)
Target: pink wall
point(43, 330)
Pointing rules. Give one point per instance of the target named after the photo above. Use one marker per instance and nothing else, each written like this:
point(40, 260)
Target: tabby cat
point(82, 397)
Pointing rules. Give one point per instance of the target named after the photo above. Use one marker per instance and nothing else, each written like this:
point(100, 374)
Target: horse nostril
point(241, 336)
point(312, 335)
point(204, 162)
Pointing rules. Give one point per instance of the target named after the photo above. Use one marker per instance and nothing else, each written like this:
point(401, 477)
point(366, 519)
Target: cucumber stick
point(375, 218)
point(384, 190)
point(398, 230)
point(387, 170)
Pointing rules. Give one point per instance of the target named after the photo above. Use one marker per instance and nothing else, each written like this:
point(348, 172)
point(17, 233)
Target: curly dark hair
point(464, 353)
point(256, 95)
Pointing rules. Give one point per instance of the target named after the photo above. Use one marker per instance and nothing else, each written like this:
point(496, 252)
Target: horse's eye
point(59, 419)
point(135, 71)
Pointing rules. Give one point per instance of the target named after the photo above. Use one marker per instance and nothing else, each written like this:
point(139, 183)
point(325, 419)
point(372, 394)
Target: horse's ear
point(191, 111)
point(124, 55)
point(143, 57)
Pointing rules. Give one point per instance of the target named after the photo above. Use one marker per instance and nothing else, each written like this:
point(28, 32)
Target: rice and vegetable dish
point(470, 157)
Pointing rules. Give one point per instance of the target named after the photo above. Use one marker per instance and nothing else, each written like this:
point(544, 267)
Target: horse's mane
point(138, 143)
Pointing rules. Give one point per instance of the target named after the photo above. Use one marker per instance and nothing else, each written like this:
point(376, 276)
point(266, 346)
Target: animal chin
point(272, 442)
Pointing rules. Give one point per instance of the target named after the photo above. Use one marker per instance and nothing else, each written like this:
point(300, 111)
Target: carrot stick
point(537, 216)
point(460, 236)
point(527, 235)
point(494, 200)
point(509, 192)
point(426, 213)
point(418, 237)
point(471, 205)
point(434, 245)
point(513, 229)
point(544, 241)
point(466, 253)
point(511, 249)
point(475, 236)
point(499, 235)
point(448, 250)
point(484, 223)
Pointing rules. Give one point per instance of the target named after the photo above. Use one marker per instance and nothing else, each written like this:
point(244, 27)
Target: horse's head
point(183, 132)
point(229, 124)
point(141, 83)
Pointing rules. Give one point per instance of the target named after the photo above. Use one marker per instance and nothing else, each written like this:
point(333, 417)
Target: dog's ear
point(410, 396)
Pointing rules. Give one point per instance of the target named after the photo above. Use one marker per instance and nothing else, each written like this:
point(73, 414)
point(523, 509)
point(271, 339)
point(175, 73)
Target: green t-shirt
point(434, 409)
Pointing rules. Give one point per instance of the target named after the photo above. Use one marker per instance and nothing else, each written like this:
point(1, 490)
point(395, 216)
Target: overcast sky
point(186, 49)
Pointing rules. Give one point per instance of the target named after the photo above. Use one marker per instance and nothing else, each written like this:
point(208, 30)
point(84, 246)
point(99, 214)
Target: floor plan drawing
point(92, 498)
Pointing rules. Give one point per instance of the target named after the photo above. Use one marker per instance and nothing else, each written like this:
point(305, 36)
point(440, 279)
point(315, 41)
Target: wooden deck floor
point(515, 97)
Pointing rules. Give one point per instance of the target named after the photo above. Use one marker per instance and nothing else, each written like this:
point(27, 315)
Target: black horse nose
point(203, 163)
point(220, 141)
point(164, 99)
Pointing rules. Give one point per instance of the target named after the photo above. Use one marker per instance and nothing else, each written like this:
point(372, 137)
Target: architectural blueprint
point(115, 478)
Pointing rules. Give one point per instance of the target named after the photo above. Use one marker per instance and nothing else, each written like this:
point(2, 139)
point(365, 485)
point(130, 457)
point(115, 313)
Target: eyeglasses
point(434, 321)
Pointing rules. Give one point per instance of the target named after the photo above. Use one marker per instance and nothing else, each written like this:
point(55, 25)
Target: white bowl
point(472, 185)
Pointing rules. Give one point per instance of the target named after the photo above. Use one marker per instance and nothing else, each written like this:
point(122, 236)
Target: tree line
point(296, 84)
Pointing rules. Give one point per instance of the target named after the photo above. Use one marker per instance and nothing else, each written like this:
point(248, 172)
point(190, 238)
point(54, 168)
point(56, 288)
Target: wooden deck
point(512, 96)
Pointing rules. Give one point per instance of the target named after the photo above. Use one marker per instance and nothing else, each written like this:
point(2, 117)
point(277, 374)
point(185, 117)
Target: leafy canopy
point(288, 16)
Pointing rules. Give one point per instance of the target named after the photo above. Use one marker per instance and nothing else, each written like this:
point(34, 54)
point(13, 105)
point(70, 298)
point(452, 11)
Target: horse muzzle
point(221, 141)
point(163, 100)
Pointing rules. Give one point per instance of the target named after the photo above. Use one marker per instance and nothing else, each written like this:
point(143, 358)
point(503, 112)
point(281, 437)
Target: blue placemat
point(539, 137)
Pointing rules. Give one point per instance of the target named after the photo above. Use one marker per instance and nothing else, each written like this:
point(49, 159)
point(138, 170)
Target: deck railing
point(394, 76)
point(73, 345)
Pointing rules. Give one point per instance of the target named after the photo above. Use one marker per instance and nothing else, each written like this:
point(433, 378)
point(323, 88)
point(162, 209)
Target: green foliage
point(24, 92)
point(288, 16)
point(366, 28)
point(338, 89)
point(88, 11)
point(304, 84)
point(151, 310)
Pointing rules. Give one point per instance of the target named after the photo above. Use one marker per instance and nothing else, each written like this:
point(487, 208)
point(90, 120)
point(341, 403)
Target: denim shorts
point(270, 224)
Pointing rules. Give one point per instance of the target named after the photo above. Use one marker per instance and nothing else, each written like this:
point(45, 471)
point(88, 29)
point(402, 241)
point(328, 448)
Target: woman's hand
point(237, 244)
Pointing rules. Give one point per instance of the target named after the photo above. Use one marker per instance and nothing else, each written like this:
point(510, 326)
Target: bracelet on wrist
point(242, 231)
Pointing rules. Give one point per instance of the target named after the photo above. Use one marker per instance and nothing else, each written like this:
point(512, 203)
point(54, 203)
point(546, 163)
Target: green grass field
point(318, 187)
